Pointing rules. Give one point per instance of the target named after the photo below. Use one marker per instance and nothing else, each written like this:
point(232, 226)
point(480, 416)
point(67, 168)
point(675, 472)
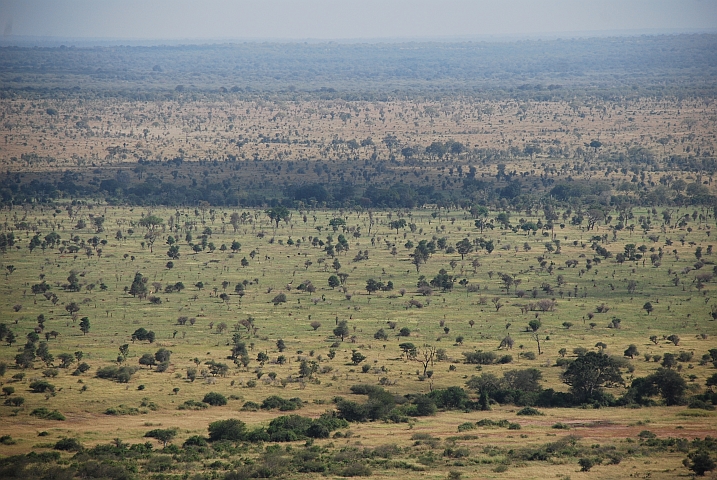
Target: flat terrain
point(81, 132)
point(280, 259)
point(413, 245)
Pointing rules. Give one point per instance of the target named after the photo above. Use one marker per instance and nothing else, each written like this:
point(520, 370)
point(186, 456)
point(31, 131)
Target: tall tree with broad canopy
point(589, 373)
point(276, 214)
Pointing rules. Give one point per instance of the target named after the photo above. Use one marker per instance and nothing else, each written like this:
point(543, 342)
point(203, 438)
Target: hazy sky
point(345, 19)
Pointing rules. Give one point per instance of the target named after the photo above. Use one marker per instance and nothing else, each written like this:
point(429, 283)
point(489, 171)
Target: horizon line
point(39, 40)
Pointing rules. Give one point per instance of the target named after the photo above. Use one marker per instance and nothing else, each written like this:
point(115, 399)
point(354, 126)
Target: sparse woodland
point(225, 272)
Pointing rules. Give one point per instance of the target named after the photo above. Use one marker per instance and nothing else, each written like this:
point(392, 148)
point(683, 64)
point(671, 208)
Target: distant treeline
point(379, 184)
point(612, 68)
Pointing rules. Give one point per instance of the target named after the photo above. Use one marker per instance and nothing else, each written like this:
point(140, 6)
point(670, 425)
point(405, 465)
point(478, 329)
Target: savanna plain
point(393, 268)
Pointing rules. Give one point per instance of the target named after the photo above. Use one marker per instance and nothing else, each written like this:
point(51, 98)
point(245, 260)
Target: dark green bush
point(193, 405)
point(42, 386)
point(231, 429)
point(68, 444)
point(46, 414)
point(250, 407)
point(275, 402)
point(121, 374)
point(529, 411)
point(214, 399)
point(195, 441)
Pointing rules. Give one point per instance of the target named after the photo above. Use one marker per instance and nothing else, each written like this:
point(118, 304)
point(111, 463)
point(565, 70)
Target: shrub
point(193, 405)
point(46, 414)
point(81, 368)
point(480, 358)
point(15, 401)
point(232, 430)
point(214, 399)
point(42, 386)
point(122, 410)
point(276, 402)
point(529, 411)
point(505, 359)
point(121, 374)
point(195, 441)
point(68, 445)
point(280, 298)
point(250, 407)
point(463, 427)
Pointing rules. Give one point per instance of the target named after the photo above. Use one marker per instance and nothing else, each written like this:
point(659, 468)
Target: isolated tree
point(397, 224)
point(427, 357)
point(380, 335)
point(631, 351)
point(72, 308)
point(648, 307)
point(408, 349)
point(334, 281)
point(533, 326)
point(143, 334)
point(342, 329)
point(357, 357)
point(85, 325)
point(280, 345)
point(277, 214)
point(124, 351)
point(139, 286)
